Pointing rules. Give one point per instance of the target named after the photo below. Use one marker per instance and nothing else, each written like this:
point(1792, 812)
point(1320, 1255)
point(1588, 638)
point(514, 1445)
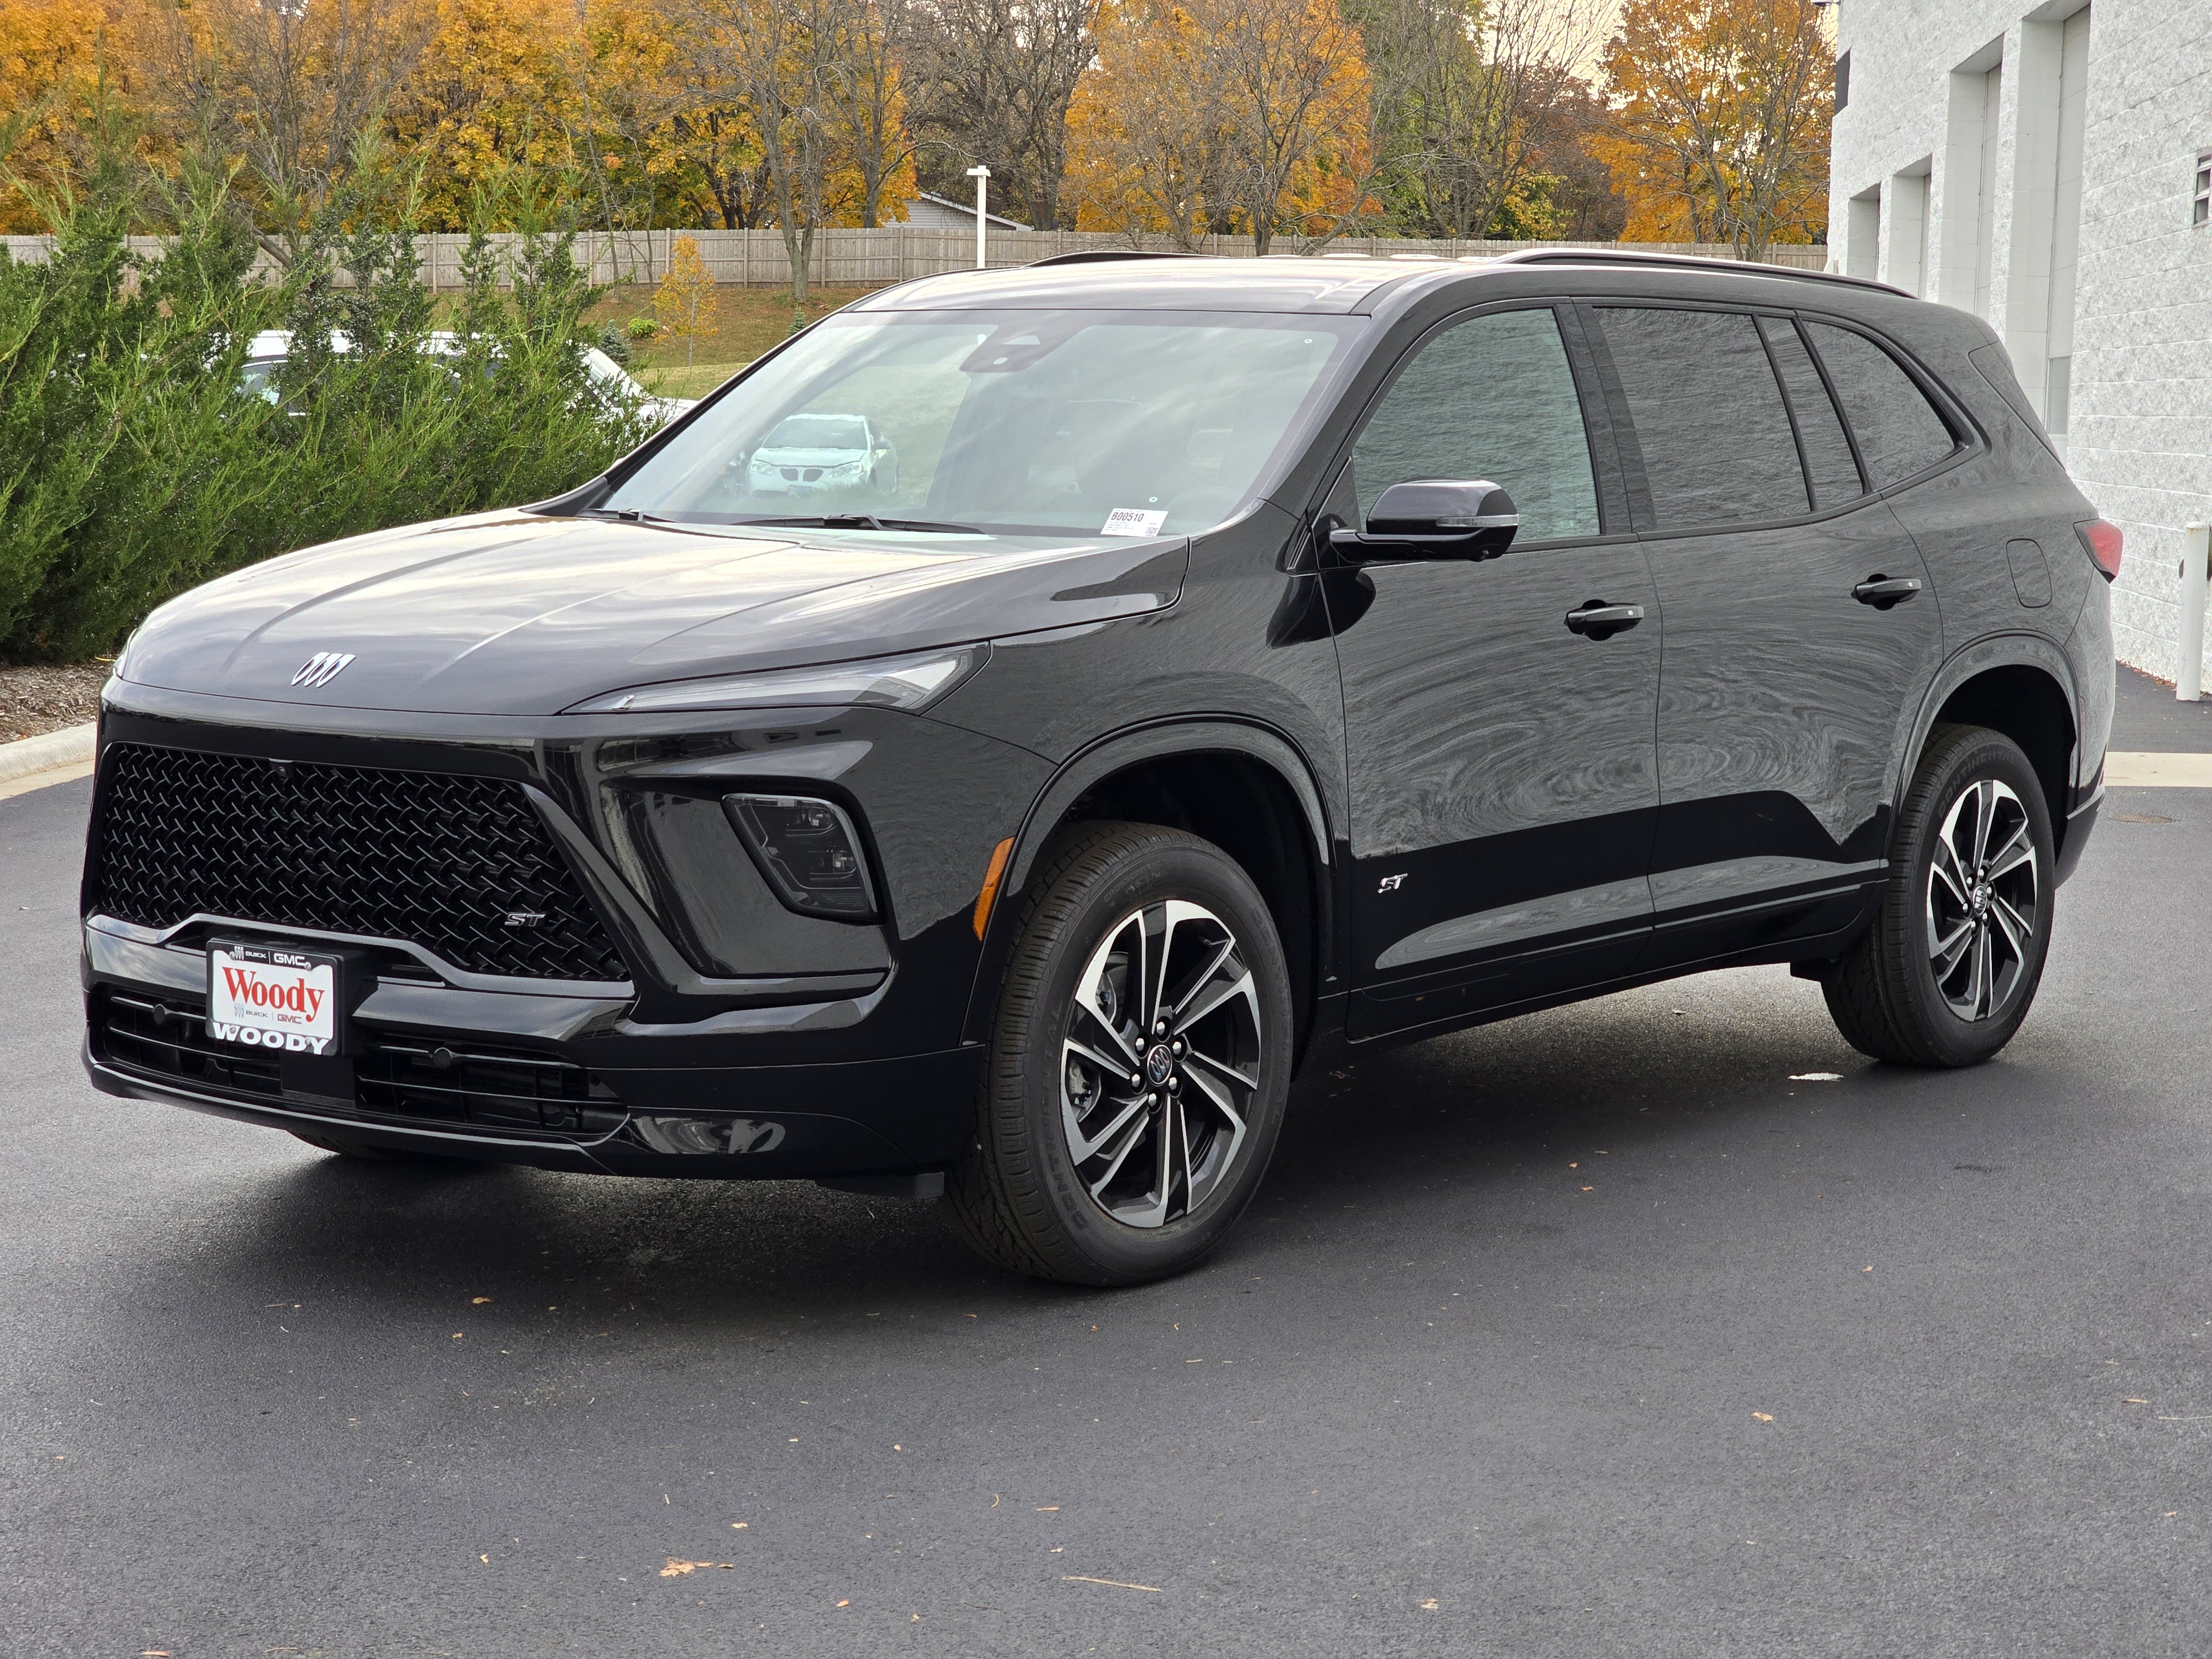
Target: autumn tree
point(686, 304)
point(1213, 115)
point(1473, 100)
point(485, 94)
point(289, 86)
point(990, 81)
point(60, 62)
point(1720, 113)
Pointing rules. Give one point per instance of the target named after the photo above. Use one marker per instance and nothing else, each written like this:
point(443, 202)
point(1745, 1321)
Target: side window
point(1491, 398)
point(1900, 433)
point(1715, 436)
point(1835, 475)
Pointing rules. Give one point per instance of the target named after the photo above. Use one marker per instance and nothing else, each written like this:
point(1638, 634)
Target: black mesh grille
point(438, 860)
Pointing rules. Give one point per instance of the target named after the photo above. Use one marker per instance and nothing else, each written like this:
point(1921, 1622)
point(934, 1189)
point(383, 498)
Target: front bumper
point(833, 1068)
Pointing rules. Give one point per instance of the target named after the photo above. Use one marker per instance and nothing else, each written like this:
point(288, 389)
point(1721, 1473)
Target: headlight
point(911, 683)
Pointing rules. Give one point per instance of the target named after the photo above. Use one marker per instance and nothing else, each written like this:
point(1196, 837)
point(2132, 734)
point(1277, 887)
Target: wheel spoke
point(1239, 987)
point(1119, 1070)
point(1222, 1067)
point(2016, 849)
point(1985, 804)
point(1121, 1156)
point(1945, 867)
point(1220, 1101)
point(1129, 1060)
point(1180, 1014)
point(1946, 954)
point(1086, 1147)
point(1979, 983)
point(2017, 932)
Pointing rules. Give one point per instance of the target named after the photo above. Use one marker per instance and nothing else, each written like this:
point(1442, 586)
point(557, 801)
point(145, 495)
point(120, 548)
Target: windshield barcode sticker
point(1134, 521)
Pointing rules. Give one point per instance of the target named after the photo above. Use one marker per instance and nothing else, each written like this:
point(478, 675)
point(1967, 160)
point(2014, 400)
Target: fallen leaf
point(740, 1525)
point(478, 1301)
point(844, 1604)
point(899, 1448)
point(483, 1558)
point(1077, 1578)
point(676, 1568)
point(1867, 1269)
point(1429, 1605)
point(1049, 1509)
point(915, 1620)
point(1590, 1189)
point(2132, 1401)
point(1764, 1417)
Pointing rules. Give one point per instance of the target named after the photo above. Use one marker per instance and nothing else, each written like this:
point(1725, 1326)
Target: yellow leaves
point(686, 303)
point(1212, 115)
point(1764, 1417)
point(678, 1569)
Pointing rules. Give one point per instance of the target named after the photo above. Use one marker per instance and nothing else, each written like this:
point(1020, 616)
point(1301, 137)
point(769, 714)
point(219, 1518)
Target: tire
point(1214, 1083)
point(1948, 970)
point(366, 1153)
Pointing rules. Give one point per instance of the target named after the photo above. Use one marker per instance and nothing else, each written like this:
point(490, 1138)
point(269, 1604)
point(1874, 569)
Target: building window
point(2203, 210)
point(1843, 80)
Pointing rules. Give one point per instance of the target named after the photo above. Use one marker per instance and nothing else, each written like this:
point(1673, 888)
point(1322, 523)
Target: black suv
point(995, 742)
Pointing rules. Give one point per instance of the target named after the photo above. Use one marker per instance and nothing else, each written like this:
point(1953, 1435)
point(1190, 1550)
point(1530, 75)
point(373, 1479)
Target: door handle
point(1882, 592)
point(1598, 619)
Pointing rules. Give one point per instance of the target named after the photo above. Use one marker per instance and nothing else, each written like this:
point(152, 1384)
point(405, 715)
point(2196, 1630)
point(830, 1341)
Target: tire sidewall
point(1969, 756)
point(1171, 865)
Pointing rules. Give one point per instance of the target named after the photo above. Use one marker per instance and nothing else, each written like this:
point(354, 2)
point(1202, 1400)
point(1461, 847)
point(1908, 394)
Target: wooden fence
point(874, 259)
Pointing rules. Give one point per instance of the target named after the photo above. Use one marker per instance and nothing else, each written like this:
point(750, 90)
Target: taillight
point(2103, 541)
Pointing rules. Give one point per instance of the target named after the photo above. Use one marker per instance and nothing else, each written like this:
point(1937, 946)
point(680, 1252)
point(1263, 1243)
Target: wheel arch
point(2022, 686)
point(1245, 787)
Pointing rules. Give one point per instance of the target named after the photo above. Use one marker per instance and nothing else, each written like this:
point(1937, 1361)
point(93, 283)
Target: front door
point(1800, 630)
point(1500, 753)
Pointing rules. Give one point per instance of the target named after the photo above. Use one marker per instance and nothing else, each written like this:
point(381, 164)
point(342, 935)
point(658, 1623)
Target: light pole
point(981, 175)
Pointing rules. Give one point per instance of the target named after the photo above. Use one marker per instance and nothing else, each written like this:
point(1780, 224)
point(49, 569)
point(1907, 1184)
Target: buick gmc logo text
point(322, 668)
point(246, 988)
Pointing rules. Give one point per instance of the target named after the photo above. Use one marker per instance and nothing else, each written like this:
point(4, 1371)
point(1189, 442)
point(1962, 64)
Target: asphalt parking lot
point(1593, 1333)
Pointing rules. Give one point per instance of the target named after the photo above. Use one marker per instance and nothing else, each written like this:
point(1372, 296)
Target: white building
point(2049, 168)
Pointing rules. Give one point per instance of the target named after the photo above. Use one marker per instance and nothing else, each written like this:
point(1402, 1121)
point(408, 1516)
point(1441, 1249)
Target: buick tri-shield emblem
point(322, 668)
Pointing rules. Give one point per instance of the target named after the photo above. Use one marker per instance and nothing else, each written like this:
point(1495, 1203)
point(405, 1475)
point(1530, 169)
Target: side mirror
point(1435, 518)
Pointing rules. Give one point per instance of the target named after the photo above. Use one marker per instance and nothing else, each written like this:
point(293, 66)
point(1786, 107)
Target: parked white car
point(272, 347)
point(809, 453)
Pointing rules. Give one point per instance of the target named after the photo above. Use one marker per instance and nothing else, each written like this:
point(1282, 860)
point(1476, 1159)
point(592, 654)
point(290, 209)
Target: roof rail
point(1100, 256)
point(1559, 256)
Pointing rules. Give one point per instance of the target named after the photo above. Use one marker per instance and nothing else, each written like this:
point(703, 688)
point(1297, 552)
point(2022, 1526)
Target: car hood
point(517, 613)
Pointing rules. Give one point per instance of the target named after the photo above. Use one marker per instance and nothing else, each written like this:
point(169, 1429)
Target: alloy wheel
point(1160, 1063)
point(1984, 899)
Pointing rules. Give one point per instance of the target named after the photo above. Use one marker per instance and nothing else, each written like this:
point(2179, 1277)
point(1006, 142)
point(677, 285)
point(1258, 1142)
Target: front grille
point(493, 1089)
point(455, 1087)
point(170, 1041)
point(439, 859)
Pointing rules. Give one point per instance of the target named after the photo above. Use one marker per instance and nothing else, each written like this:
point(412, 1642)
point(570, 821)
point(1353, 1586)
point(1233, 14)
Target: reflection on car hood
point(513, 613)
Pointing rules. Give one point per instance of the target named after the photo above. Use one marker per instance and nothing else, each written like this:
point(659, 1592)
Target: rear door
point(1801, 628)
point(1501, 763)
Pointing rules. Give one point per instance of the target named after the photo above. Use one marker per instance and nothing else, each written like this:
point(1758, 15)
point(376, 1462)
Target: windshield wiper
point(862, 522)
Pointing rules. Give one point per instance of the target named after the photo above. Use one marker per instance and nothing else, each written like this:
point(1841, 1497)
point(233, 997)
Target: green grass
point(749, 321)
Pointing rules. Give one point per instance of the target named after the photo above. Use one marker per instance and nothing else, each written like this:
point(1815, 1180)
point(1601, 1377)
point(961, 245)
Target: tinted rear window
point(1716, 440)
point(1827, 452)
point(1899, 432)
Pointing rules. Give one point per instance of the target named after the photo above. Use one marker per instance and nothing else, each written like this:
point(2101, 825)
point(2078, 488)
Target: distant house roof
point(941, 212)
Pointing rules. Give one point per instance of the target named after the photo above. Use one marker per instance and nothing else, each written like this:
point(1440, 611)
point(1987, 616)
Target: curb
point(70, 746)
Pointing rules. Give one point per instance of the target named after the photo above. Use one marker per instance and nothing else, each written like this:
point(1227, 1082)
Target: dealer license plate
point(264, 996)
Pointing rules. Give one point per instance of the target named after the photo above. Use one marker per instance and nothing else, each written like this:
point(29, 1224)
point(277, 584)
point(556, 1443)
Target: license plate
point(264, 996)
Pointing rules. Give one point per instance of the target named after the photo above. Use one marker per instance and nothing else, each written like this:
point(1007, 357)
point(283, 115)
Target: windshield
point(1142, 424)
